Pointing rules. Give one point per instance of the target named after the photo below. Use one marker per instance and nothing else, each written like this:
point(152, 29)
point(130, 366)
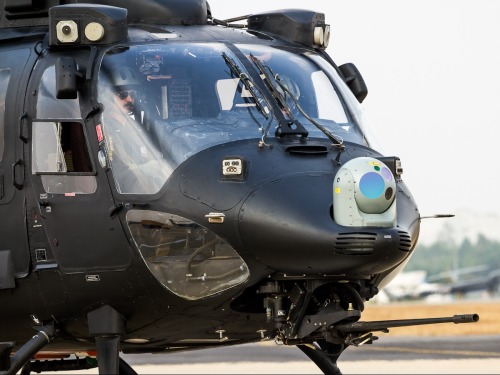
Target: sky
point(432, 68)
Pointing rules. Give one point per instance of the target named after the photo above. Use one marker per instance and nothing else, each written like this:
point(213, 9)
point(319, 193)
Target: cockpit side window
point(60, 155)
point(59, 147)
point(328, 103)
point(60, 152)
point(48, 106)
point(4, 83)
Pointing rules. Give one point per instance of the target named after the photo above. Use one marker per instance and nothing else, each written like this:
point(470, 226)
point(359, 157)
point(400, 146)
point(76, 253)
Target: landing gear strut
point(324, 355)
point(107, 326)
point(27, 351)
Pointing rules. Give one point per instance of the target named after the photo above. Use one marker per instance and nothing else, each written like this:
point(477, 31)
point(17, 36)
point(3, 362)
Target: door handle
point(18, 186)
point(22, 123)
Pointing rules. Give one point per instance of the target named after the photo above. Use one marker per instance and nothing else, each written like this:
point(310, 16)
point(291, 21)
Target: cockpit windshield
point(166, 102)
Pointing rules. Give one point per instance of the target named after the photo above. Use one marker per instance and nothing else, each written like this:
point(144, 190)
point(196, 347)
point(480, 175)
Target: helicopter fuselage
point(243, 199)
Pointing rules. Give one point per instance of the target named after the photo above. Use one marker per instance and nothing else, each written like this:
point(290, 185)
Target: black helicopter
point(170, 181)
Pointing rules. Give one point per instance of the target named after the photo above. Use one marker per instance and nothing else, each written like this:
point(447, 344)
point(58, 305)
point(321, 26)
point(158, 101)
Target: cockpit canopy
point(166, 102)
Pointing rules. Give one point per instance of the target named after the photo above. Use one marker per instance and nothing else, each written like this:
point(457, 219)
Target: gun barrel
point(382, 325)
point(465, 318)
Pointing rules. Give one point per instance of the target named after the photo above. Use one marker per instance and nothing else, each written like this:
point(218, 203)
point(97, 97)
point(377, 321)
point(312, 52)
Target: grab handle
point(19, 186)
point(22, 127)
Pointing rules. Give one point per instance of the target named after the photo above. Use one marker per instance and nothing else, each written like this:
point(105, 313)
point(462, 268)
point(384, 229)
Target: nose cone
point(287, 224)
point(285, 221)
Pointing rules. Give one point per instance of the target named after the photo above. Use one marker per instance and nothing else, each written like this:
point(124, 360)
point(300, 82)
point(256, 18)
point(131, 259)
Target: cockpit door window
point(48, 106)
point(59, 147)
point(60, 152)
point(60, 155)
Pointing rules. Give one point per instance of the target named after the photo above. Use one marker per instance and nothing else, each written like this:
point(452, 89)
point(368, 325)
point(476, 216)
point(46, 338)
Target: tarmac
point(463, 366)
point(389, 355)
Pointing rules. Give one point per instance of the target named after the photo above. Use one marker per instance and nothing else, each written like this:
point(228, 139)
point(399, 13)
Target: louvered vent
point(355, 243)
point(404, 241)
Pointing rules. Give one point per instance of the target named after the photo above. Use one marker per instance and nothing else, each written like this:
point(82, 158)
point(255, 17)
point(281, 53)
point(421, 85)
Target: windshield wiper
point(287, 126)
point(336, 140)
point(249, 85)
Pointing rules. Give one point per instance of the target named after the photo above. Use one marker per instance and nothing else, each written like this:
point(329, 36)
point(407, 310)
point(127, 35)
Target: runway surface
point(398, 355)
point(389, 355)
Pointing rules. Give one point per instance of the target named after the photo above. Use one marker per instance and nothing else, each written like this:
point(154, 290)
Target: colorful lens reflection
point(372, 185)
point(387, 174)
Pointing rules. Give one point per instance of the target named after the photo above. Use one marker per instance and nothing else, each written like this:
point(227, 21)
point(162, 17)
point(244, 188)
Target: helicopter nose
point(287, 224)
point(292, 225)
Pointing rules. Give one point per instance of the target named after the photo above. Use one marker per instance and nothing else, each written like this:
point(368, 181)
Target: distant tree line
point(446, 256)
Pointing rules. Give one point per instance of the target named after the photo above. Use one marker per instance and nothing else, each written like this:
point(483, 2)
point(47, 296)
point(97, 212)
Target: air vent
point(307, 149)
point(355, 243)
point(404, 241)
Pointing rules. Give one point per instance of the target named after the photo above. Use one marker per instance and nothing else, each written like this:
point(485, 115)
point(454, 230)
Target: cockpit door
point(72, 203)
point(14, 251)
